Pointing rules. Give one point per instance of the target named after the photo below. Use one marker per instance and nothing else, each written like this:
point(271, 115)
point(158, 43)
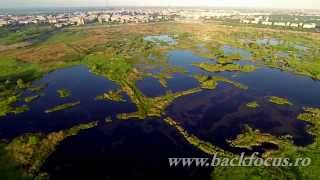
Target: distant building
point(41, 19)
point(89, 19)
point(310, 26)
point(52, 20)
point(255, 22)
point(24, 22)
point(245, 21)
point(58, 25)
point(78, 20)
point(104, 18)
point(3, 23)
point(294, 25)
point(115, 18)
point(267, 23)
point(279, 24)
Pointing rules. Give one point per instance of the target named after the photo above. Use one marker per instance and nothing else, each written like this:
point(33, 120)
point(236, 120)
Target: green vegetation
point(112, 96)
point(162, 78)
point(63, 106)
point(6, 105)
point(66, 36)
point(63, 93)
point(253, 104)
point(166, 71)
point(154, 107)
point(279, 101)
point(250, 138)
point(29, 99)
point(228, 59)
point(202, 145)
point(10, 35)
point(248, 173)
point(37, 89)
point(226, 67)
point(311, 115)
point(24, 156)
point(207, 82)
point(116, 68)
point(12, 71)
point(296, 61)
point(122, 71)
point(8, 168)
point(292, 51)
point(15, 77)
point(286, 148)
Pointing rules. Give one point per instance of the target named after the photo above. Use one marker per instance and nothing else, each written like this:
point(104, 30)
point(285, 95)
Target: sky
point(288, 4)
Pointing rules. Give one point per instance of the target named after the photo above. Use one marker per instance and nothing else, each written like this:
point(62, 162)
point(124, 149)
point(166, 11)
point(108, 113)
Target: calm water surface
point(142, 147)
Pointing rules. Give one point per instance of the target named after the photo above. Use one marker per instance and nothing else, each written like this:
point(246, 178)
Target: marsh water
point(141, 148)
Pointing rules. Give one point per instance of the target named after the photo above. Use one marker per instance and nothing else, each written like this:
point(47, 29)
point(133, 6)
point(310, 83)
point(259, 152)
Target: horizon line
point(159, 6)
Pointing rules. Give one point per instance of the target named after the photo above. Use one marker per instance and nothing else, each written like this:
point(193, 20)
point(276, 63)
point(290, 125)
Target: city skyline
point(282, 4)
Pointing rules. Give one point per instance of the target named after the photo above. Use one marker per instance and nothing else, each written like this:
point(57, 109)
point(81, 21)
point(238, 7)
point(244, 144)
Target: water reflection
point(124, 149)
point(161, 39)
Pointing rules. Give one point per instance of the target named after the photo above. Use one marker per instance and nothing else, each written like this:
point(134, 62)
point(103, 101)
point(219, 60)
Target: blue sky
point(307, 4)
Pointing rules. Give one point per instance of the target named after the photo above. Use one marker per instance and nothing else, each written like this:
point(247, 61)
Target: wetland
point(85, 101)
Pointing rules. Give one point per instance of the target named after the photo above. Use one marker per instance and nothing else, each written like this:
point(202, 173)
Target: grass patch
point(279, 101)
point(207, 82)
point(225, 67)
point(27, 153)
point(253, 104)
point(195, 141)
point(229, 59)
point(11, 35)
point(30, 99)
point(63, 107)
point(7, 105)
point(63, 93)
point(12, 70)
point(112, 96)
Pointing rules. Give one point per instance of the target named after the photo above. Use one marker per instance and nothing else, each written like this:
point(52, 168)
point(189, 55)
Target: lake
point(141, 147)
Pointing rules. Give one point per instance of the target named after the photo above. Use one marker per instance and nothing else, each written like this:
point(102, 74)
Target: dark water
point(185, 59)
point(151, 87)
point(141, 148)
point(263, 82)
point(179, 82)
point(124, 149)
point(84, 86)
point(218, 115)
point(299, 89)
point(221, 114)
